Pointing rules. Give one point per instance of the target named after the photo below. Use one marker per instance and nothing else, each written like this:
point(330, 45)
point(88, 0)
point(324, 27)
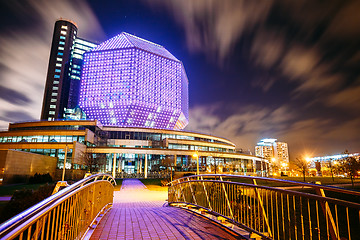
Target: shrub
point(40, 178)
point(23, 199)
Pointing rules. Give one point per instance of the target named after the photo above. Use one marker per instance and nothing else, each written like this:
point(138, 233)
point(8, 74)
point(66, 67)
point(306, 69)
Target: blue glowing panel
point(134, 83)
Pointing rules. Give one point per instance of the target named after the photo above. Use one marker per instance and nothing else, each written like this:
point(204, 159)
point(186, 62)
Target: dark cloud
point(245, 127)
point(25, 47)
point(13, 96)
point(15, 116)
point(213, 27)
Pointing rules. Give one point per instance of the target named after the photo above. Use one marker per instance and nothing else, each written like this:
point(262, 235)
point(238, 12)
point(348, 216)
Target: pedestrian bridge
point(196, 207)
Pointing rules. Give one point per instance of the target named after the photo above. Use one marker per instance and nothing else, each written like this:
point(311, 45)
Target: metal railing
point(276, 209)
point(142, 175)
point(67, 214)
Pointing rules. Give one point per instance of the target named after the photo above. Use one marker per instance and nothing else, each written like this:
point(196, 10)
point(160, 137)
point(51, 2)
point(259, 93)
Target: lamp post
point(63, 173)
point(196, 155)
point(274, 166)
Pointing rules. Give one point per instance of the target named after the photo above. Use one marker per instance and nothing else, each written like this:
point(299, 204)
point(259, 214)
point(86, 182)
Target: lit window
point(58, 64)
point(63, 32)
point(60, 48)
point(58, 70)
point(78, 56)
point(56, 76)
point(59, 59)
point(62, 37)
point(56, 82)
point(51, 112)
point(64, 27)
point(60, 53)
point(55, 88)
point(52, 106)
point(53, 100)
point(54, 94)
point(62, 42)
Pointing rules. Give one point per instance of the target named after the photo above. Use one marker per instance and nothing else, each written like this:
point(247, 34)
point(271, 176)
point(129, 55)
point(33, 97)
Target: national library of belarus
point(121, 105)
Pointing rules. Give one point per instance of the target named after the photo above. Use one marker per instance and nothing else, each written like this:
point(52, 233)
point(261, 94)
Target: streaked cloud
point(246, 126)
point(25, 52)
point(213, 27)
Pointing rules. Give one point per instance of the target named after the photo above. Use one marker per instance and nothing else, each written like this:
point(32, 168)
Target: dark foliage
point(40, 178)
point(23, 199)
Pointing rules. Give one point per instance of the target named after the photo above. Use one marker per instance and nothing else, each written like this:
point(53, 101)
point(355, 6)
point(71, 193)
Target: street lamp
point(274, 167)
point(63, 173)
point(196, 155)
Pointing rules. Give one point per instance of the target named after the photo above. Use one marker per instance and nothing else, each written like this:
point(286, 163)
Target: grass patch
point(154, 184)
point(3, 205)
point(155, 181)
point(118, 184)
point(8, 190)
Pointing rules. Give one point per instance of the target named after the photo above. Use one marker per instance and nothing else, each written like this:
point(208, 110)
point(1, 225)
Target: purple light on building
point(130, 82)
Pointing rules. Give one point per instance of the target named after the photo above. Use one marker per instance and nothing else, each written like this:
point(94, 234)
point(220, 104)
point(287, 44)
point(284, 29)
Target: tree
point(302, 164)
point(349, 165)
point(94, 162)
point(331, 166)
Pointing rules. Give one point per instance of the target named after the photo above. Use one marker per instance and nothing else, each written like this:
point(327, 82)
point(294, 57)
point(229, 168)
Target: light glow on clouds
point(25, 52)
point(305, 52)
point(250, 124)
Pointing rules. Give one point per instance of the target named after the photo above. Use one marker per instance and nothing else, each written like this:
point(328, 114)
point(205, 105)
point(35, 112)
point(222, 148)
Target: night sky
point(282, 69)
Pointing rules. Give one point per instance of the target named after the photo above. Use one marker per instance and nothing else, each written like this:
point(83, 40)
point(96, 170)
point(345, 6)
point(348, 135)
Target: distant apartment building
point(272, 150)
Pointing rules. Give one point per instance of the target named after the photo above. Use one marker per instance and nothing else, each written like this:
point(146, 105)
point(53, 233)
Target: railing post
point(328, 215)
point(227, 199)
point(207, 196)
point(262, 208)
point(192, 193)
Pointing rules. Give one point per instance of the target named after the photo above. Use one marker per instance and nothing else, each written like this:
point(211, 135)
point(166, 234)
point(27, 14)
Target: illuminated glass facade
point(131, 148)
point(57, 82)
point(62, 87)
point(130, 82)
point(72, 111)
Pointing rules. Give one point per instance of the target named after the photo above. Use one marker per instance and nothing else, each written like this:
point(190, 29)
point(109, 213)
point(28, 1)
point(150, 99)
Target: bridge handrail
point(26, 215)
point(289, 182)
point(286, 191)
point(258, 208)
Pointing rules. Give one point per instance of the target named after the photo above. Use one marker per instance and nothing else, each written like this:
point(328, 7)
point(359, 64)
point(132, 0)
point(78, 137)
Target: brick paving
point(139, 213)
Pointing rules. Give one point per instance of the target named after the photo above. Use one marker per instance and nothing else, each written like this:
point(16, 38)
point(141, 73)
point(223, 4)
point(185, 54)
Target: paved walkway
point(139, 213)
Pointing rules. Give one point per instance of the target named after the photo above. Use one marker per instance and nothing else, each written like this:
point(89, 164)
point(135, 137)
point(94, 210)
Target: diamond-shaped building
point(130, 82)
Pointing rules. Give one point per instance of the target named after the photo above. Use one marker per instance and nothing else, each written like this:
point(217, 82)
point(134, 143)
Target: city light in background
point(288, 70)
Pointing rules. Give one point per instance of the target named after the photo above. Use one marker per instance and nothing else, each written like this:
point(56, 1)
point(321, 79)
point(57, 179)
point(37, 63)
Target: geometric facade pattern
point(130, 82)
